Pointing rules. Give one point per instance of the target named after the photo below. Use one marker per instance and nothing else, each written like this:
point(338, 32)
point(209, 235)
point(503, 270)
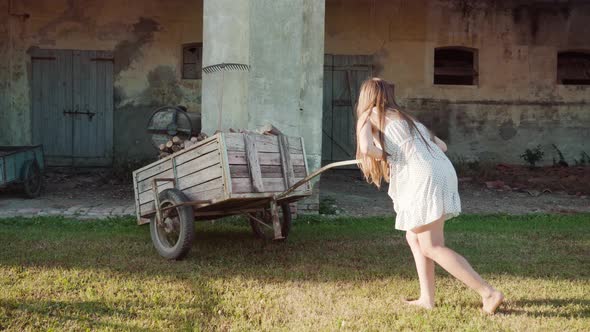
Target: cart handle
point(314, 174)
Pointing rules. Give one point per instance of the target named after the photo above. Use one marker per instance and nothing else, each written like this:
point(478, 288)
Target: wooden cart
point(22, 165)
point(226, 174)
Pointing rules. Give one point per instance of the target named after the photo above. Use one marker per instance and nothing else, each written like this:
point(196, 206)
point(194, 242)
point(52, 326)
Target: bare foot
point(419, 303)
point(491, 303)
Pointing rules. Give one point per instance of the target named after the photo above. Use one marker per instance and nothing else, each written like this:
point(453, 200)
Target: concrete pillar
point(226, 39)
point(283, 43)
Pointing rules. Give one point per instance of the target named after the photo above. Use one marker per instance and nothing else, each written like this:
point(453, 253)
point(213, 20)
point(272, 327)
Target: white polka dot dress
point(423, 183)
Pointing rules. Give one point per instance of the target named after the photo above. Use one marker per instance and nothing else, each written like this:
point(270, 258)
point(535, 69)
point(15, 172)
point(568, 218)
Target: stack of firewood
point(176, 144)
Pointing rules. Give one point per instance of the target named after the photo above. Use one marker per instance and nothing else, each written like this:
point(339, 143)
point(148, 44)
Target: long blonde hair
point(377, 93)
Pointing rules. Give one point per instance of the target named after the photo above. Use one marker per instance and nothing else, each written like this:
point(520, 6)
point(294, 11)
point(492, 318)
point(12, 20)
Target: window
point(192, 61)
point(573, 68)
point(455, 66)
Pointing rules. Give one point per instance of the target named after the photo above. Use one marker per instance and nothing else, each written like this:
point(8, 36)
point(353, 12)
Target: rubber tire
point(30, 169)
point(285, 209)
point(187, 227)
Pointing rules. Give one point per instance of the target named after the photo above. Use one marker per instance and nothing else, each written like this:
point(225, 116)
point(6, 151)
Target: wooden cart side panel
point(264, 158)
point(268, 171)
point(136, 201)
point(264, 143)
point(190, 168)
point(180, 158)
point(227, 186)
point(199, 162)
point(244, 185)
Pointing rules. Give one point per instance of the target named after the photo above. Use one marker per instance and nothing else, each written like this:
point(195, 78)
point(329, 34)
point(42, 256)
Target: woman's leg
point(425, 269)
point(432, 244)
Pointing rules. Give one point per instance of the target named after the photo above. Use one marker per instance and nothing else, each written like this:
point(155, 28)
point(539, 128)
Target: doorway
point(72, 106)
point(343, 76)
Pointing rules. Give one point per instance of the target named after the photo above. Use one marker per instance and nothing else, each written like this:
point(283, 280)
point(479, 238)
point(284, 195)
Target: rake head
point(227, 67)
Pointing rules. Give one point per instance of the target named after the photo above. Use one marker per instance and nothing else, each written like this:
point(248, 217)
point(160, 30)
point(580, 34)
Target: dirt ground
point(65, 188)
point(351, 195)
point(344, 192)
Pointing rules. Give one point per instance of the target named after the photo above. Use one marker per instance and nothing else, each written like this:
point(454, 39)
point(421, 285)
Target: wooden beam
point(286, 165)
point(253, 164)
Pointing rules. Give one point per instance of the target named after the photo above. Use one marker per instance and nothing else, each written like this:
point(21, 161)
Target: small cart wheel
point(173, 236)
point(262, 226)
point(32, 179)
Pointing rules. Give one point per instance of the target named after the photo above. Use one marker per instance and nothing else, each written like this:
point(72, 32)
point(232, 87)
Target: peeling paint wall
point(517, 103)
point(146, 37)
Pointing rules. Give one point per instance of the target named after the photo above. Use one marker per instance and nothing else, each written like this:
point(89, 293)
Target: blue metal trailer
point(22, 165)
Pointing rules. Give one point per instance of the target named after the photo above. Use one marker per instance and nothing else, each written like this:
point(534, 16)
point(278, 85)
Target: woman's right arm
point(366, 143)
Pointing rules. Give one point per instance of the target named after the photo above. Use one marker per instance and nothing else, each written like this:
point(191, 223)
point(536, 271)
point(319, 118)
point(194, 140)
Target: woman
point(392, 145)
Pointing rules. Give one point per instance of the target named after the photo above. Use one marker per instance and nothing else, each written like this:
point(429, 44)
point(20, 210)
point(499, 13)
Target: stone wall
point(146, 37)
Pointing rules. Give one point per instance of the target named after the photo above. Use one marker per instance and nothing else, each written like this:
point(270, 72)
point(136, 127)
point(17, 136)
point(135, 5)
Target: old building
point(491, 77)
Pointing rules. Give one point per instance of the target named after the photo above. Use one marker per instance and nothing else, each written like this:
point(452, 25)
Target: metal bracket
point(157, 199)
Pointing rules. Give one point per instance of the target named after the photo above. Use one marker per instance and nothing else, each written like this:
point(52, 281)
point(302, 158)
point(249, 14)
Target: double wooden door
point(343, 76)
point(72, 106)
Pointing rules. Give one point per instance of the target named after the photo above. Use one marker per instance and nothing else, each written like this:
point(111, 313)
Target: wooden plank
point(204, 175)
point(145, 185)
point(154, 169)
point(186, 182)
point(264, 143)
point(286, 165)
point(194, 152)
point(201, 162)
point(253, 164)
point(225, 164)
point(148, 196)
point(136, 199)
point(187, 168)
point(244, 185)
point(267, 171)
point(264, 158)
point(197, 194)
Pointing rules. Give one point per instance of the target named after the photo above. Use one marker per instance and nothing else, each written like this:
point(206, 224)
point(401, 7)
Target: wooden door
point(92, 142)
point(51, 97)
point(73, 106)
point(343, 76)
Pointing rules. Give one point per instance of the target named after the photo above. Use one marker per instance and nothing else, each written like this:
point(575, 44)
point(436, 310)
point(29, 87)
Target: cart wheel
point(32, 179)
point(173, 236)
point(262, 227)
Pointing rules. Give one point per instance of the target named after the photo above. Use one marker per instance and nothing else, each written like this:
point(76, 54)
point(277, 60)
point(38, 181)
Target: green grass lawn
point(332, 274)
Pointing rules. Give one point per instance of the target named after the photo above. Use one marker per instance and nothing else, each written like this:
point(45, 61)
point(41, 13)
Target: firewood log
point(169, 144)
point(162, 147)
point(194, 139)
point(176, 148)
point(163, 155)
point(268, 129)
point(176, 140)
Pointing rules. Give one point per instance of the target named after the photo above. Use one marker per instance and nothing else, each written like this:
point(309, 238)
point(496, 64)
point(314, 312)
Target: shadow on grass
point(551, 308)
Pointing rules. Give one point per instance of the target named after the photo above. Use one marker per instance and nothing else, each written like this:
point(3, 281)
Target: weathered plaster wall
point(282, 43)
point(517, 103)
point(146, 37)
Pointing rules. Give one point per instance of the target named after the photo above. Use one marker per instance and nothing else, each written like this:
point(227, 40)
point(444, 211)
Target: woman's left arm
point(366, 144)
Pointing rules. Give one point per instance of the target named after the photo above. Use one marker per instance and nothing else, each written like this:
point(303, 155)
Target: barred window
point(573, 68)
point(192, 61)
point(455, 66)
